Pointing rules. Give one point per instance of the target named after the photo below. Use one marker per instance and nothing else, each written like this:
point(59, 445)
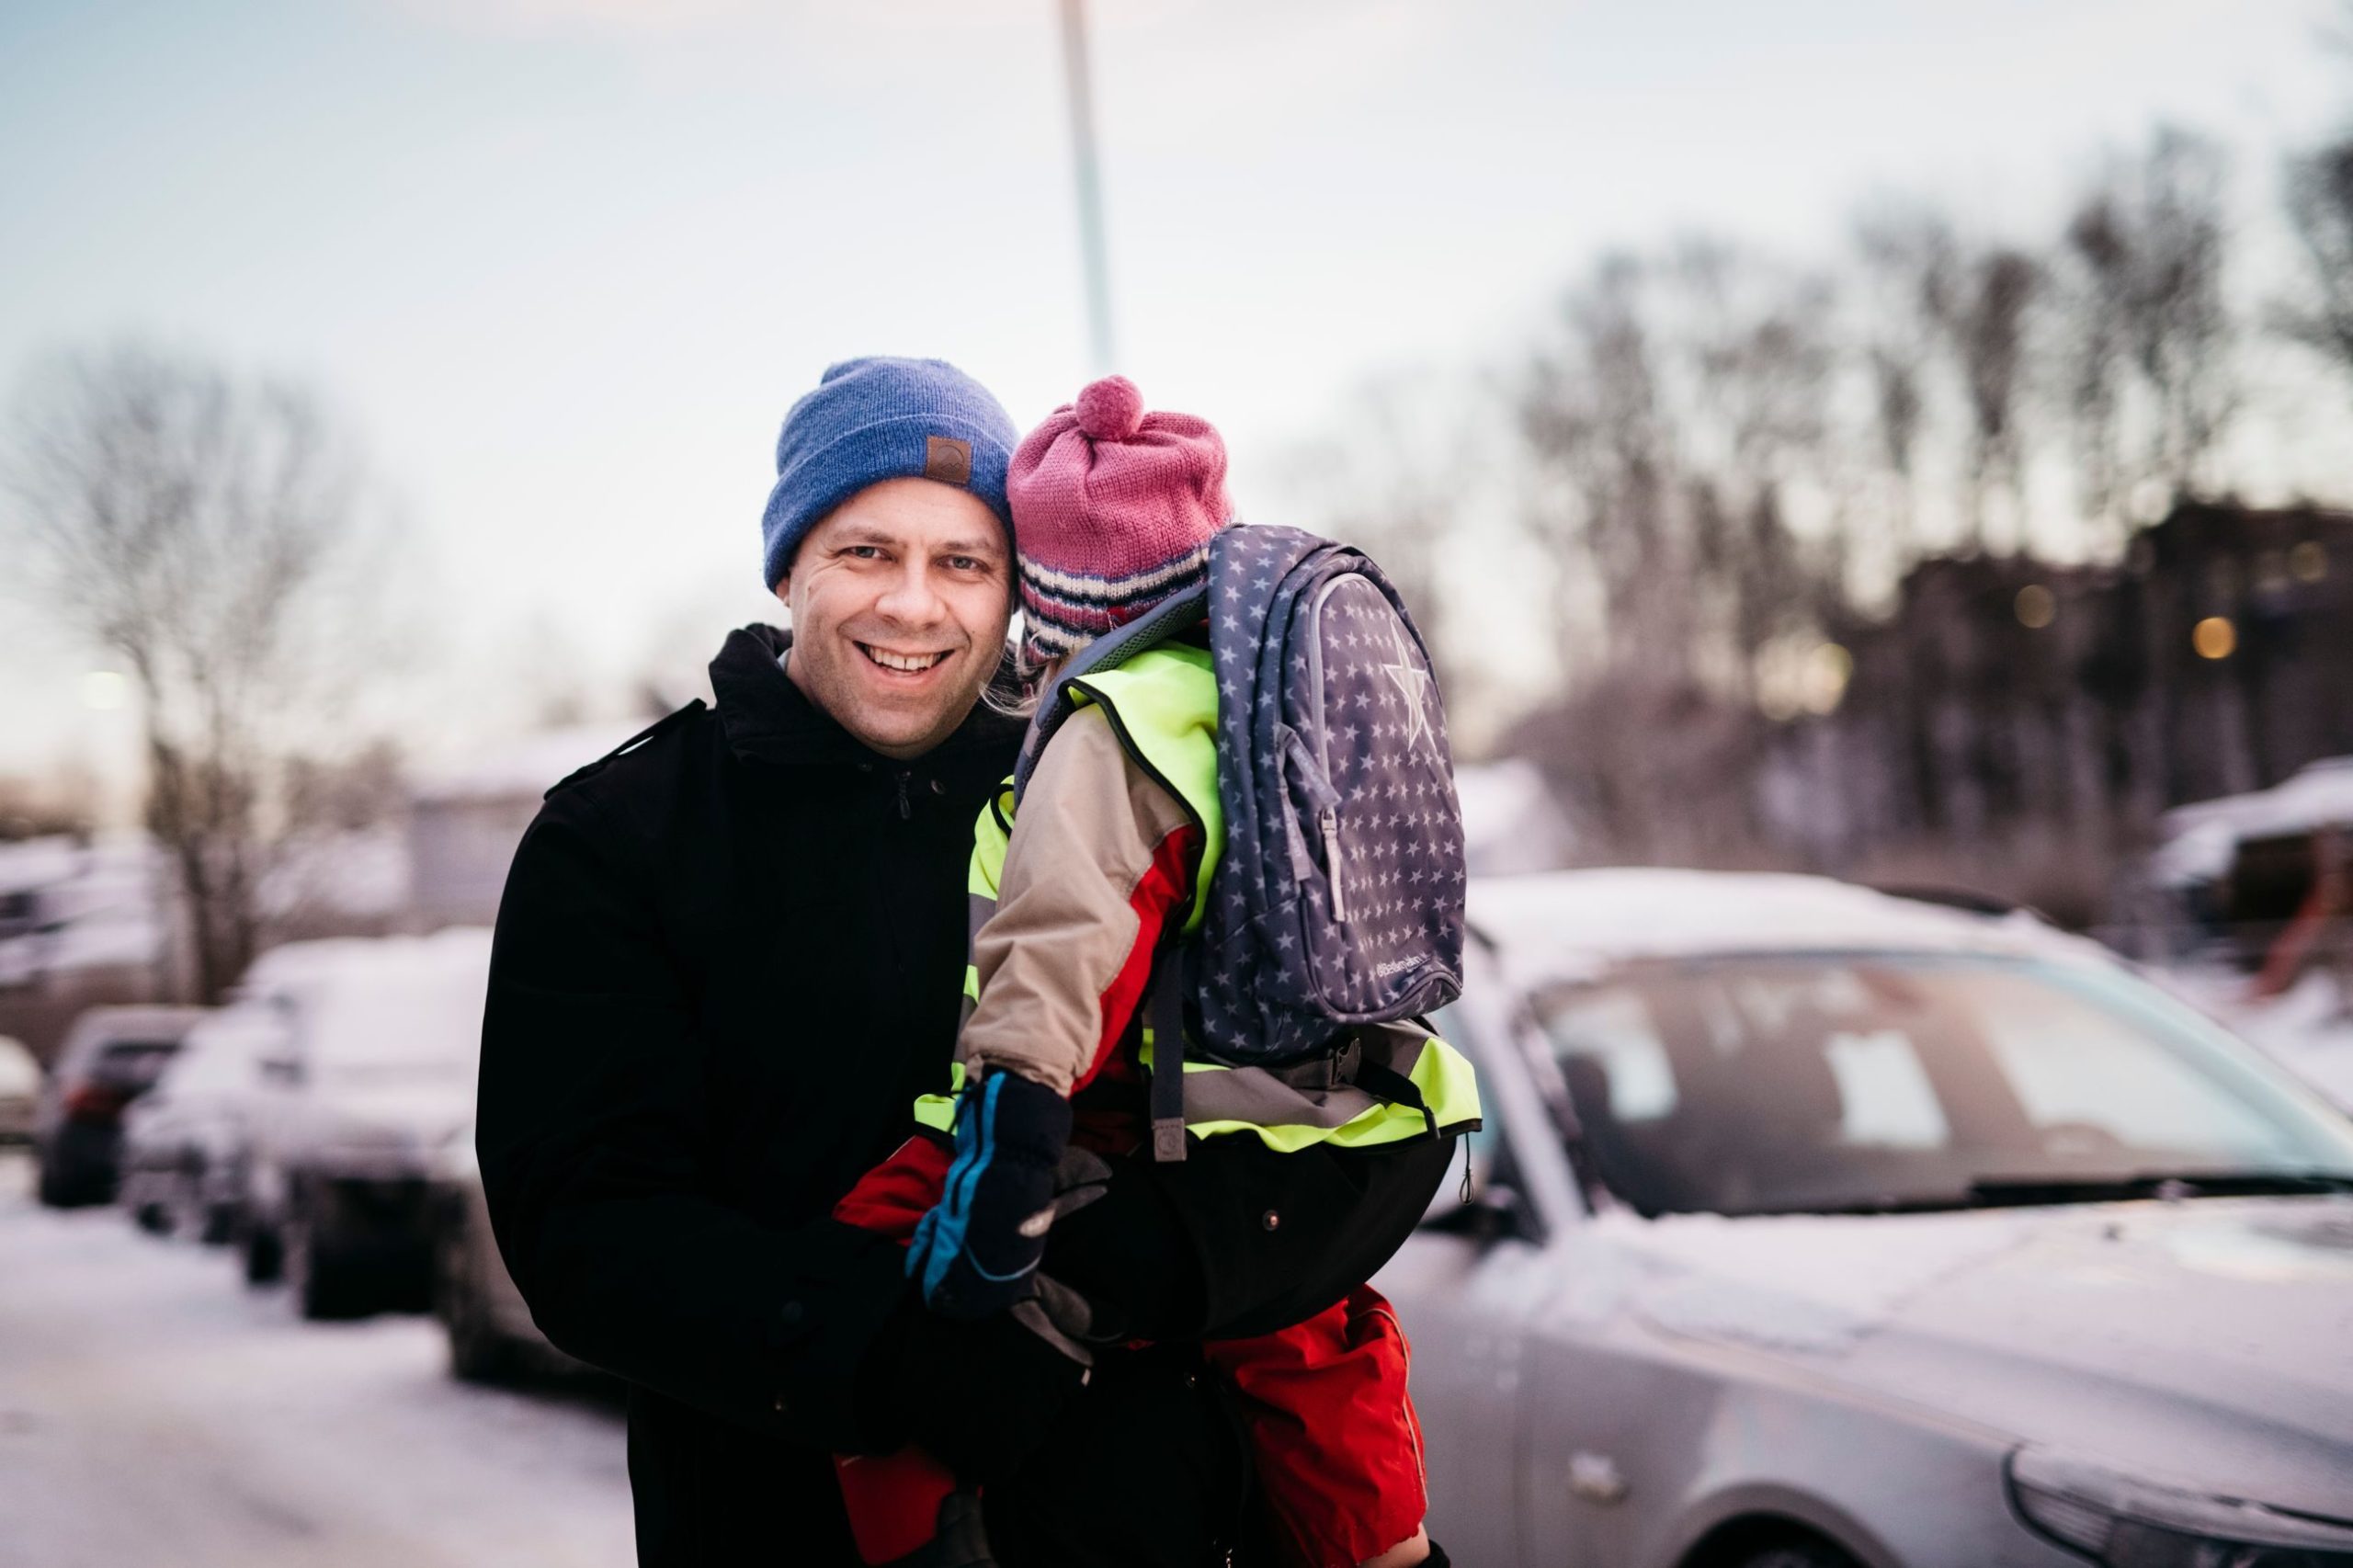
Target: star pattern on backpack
point(1412, 683)
point(1319, 666)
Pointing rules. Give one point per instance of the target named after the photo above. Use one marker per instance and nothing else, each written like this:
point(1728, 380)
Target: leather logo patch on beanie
point(948, 460)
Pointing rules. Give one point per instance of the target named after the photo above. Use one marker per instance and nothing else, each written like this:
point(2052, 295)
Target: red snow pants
point(1333, 1440)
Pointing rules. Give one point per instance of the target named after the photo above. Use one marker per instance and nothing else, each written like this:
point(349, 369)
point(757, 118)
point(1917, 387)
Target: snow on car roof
point(19, 1074)
point(2201, 837)
point(1570, 923)
point(383, 999)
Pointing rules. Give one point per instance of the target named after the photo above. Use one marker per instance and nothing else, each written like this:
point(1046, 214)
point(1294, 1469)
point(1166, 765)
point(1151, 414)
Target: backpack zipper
point(1327, 818)
point(1329, 821)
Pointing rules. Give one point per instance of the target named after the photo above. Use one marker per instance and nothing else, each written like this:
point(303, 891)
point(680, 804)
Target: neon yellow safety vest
point(1162, 704)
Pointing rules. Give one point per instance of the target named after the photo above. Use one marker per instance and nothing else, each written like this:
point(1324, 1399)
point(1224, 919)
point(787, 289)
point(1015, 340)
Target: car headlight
point(2128, 1522)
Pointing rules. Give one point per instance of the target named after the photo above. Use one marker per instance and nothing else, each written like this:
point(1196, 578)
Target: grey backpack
point(1339, 899)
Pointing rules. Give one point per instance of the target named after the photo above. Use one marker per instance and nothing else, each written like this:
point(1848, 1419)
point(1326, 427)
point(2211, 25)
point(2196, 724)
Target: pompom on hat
point(1114, 509)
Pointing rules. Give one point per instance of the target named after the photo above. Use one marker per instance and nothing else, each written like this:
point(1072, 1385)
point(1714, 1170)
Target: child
point(1113, 512)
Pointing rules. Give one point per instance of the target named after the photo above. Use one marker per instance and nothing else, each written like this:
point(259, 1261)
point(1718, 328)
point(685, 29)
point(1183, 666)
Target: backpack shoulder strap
point(1167, 1087)
point(1109, 652)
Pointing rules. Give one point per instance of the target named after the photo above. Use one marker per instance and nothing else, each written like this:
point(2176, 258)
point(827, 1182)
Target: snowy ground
point(153, 1410)
point(2309, 1031)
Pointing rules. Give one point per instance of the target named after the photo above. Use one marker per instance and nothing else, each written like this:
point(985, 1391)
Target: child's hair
point(1020, 680)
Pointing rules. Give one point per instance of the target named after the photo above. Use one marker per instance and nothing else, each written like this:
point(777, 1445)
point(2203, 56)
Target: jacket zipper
point(907, 810)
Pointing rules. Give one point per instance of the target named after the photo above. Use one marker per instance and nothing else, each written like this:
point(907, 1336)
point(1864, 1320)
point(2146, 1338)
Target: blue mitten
point(975, 1251)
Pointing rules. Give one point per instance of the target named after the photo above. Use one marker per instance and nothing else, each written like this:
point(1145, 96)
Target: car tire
point(58, 1190)
point(326, 1283)
point(264, 1254)
point(186, 1202)
point(152, 1217)
point(478, 1352)
point(219, 1227)
point(1798, 1554)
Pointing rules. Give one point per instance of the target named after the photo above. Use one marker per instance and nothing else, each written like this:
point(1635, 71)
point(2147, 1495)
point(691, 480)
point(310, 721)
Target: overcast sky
point(564, 262)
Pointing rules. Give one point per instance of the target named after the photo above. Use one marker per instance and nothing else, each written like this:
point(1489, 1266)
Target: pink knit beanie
point(1112, 513)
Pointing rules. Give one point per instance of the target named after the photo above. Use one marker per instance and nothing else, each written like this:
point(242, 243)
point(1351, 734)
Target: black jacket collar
point(766, 717)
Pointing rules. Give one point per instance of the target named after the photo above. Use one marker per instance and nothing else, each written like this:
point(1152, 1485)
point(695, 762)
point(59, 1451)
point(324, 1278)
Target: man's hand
point(979, 1397)
point(974, 1252)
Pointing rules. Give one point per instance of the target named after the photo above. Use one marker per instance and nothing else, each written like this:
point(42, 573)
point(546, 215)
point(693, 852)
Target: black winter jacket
point(728, 959)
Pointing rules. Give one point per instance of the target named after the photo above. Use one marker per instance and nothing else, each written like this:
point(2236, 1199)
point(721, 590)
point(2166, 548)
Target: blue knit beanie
point(882, 418)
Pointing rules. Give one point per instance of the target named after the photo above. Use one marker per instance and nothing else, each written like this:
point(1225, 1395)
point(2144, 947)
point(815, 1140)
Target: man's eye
point(965, 563)
point(866, 552)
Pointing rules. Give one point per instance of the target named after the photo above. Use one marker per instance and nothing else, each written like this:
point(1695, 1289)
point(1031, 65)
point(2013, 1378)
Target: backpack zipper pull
point(1329, 821)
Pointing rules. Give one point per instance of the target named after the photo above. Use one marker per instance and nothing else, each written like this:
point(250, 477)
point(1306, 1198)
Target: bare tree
point(1895, 340)
point(2098, 261)
point(2320, 208)
point(1753, 362)
point(1669, 430)
point(1397, 477)
point(2149, 247)
point(1591, 417)
point(205, 531)
point(1981, 301)
point(1954, 310)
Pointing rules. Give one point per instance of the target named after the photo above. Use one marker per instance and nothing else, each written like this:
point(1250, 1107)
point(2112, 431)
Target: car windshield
point(1829, 1082)
point(132, 1063)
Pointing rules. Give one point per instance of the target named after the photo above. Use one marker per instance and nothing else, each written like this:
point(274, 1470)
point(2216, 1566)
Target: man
point(729, 959)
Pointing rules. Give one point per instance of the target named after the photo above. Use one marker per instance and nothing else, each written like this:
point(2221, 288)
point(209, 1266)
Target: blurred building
point(465, 819)
point(85, 922)
point(82, 923)
point(2007, 695)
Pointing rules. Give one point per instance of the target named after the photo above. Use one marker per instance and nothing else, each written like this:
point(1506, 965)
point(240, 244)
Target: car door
point(1468, 1287)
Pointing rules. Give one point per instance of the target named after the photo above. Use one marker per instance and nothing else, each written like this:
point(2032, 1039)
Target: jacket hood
point(2206, 1340)
point(766, 716)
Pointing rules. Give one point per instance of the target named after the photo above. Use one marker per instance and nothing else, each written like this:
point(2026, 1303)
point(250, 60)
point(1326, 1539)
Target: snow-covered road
point(154, 1411)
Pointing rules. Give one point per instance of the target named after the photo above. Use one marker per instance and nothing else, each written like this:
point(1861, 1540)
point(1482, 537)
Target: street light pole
point(1090, 184)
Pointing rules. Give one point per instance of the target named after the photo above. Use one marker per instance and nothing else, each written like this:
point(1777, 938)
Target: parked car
point(369, 1071)
point(491, 1337)
point(111, 1056)
point(183, 1141)
point(1819, 1228)
point(19, 1090)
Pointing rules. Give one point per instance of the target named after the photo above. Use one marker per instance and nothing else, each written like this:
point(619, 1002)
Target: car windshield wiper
point(1998, 1192)
point(2027, 1192)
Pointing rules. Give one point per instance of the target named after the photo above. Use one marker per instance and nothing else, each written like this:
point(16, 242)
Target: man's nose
point(912, 597)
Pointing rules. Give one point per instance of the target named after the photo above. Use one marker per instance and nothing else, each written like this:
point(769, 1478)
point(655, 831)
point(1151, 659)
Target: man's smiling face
point(899, 599)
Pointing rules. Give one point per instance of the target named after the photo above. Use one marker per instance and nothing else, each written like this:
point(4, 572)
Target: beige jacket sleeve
point(1100, 857)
